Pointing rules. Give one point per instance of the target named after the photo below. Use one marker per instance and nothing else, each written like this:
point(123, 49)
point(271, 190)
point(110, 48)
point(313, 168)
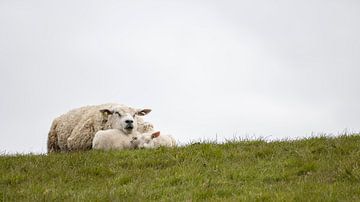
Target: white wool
point(75, 130)
point(148, 141)
point(112, 139)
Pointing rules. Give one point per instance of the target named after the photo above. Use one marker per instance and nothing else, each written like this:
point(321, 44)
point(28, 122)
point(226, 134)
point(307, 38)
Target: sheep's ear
point(106, 112)
point(143, 112)
point(155, 135)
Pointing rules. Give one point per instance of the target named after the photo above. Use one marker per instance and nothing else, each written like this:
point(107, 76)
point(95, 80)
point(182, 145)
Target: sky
point(209, 70)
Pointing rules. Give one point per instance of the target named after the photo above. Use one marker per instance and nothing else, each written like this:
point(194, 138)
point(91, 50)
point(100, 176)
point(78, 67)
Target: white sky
point(276, 69)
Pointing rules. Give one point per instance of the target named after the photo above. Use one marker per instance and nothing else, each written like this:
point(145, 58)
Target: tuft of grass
point(313, 169)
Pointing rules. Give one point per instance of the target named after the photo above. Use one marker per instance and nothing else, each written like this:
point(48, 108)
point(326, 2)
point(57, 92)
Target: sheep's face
point(145, 140)
point(124, 118)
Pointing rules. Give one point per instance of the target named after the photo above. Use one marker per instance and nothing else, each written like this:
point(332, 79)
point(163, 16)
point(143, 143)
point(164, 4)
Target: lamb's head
point(123, 118)
point(145, 140)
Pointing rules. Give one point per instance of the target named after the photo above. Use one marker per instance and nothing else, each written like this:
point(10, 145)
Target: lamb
point(151, 140)
point(113, 139)
point(75, 130)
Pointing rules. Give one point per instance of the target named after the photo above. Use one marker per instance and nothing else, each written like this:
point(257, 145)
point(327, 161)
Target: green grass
point(314, 169)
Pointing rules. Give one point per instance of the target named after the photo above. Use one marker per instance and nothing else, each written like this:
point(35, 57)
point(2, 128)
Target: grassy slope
point(312, 169)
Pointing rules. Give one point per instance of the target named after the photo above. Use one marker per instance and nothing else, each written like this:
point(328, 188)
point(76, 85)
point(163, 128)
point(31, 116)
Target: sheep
point(113, 139)
point(75, 130)
point(151, 140)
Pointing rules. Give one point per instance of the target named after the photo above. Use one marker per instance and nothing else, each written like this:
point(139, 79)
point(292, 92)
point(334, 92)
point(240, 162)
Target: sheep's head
point(123, 118)
point(145, 140)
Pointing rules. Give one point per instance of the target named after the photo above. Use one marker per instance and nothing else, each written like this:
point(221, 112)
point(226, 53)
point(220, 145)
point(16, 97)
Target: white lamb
point(113, 139)
point(152, 140)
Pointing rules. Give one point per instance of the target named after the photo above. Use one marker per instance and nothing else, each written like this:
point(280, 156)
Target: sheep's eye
point(118, 114)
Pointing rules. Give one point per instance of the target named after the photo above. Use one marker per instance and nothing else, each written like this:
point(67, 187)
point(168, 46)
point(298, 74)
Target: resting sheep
point(152, 140)
point(75, 130)
point(112, 139)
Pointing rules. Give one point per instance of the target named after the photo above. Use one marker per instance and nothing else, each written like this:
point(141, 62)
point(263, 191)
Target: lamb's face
point(124, 118)
point(145, 140)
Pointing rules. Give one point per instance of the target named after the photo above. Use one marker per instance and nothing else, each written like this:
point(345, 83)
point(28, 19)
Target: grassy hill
point(315, 169)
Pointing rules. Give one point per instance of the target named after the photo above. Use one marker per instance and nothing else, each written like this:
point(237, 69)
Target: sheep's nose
point(129, 121)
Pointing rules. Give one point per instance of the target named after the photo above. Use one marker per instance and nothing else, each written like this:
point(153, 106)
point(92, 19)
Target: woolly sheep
point(112, 139)
point(151, 140)
point(75, 130)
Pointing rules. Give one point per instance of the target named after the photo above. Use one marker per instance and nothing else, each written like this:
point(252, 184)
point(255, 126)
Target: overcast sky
point(276, 69)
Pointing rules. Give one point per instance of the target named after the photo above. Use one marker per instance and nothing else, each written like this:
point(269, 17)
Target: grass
point(314, 169)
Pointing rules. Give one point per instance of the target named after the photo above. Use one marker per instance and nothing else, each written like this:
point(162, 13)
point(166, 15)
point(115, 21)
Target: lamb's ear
point(106, 112)
point(155, 135)
point(143, 112)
